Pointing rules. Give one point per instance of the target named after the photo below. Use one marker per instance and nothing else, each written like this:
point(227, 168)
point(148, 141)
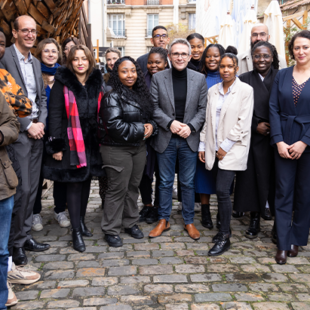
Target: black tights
point(77, 198)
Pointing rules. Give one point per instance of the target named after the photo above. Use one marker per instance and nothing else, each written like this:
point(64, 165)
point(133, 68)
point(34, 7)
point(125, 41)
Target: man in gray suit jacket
point(28, 148)
point(180, 98)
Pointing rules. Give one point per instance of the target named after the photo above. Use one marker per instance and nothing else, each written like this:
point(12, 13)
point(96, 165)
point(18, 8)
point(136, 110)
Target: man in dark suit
point(159, 39)
point(180, 98)
point(26, 70)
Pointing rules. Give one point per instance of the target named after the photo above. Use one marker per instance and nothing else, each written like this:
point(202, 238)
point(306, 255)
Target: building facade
point(127, 24)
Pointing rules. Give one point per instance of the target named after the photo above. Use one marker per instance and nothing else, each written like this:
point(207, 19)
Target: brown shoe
point(281, 257)
point(293, 252)
point(192, 231)
point(162, 226)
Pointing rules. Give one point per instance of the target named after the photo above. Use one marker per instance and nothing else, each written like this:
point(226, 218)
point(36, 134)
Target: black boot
point(143, 213)
point(84, 230)
point(221, 246)
point(218, 221)
point(206, 220)
point(217, 237)
point(77, 240)
point(254, 227)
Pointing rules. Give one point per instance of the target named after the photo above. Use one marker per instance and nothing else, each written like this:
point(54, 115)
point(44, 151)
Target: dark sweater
point(179, 80)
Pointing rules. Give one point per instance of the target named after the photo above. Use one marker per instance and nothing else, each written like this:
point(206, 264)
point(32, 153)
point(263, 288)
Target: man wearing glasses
point(159, 39)
point(259, 33)
point(26, 70)
point(180, 98)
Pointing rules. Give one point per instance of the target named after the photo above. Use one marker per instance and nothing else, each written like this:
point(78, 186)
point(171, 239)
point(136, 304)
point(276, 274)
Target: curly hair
point(202, 66)
point(302, 34)
point(161, 51)
point(139, 93)
point(272, 49)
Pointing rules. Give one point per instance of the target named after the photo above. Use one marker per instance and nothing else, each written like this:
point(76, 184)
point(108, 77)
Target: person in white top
point(225, 139)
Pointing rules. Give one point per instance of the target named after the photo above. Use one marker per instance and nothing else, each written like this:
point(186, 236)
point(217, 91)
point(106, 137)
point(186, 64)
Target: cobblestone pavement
point(171, 272)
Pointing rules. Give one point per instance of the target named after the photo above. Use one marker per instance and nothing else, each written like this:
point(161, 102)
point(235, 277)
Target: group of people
point(215, 117)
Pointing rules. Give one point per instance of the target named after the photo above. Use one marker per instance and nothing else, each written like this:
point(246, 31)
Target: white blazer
point(234, 124)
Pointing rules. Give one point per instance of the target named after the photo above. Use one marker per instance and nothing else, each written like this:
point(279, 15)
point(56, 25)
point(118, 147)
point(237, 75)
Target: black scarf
point(262, 90)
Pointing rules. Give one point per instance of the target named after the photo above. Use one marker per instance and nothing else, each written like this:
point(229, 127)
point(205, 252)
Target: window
point(191, 1)
point(191, 21)
point(117, 24)
point(116, 1)
point(152, 21)
point(122, 49)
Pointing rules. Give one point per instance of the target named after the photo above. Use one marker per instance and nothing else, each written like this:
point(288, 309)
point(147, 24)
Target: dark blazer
point(142, 61)
point(87, 102)
point(121, 122)
point(289, 123)
point(10, 62)
point(164, 107)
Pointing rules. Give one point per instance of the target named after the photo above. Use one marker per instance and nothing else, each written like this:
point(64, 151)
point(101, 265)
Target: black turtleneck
point(179, 79)
point(194, 64)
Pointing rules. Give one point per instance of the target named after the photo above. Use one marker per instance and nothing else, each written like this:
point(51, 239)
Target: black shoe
point(113, 240)
point(134, 232)
point(218, 236)
point(19, 257)
point(237, 215)
point(218, 221)
point(77, 240)
point(220, 246)
point(84, 229)
point(143, 213)
point(266, 215)
point(254, 227)
point(32, 245)
point(152, 215)
point(206, 220)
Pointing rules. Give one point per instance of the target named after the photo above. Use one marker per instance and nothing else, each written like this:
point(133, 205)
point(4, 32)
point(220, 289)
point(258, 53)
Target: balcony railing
point(152, 2)
point(116, 1)
point(120, 33)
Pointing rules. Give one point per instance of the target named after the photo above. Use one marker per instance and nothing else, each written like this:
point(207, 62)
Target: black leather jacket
point(121, 121)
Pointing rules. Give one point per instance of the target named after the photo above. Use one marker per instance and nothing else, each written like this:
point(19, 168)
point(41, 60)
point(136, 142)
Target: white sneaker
point(37, 224)
point(12, 299)
point(62, 219)
point(19, 275)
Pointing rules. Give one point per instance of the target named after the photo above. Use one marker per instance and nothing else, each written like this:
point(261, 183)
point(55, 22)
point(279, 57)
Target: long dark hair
point(139, 93)
point(272, 49)
point(202, 66)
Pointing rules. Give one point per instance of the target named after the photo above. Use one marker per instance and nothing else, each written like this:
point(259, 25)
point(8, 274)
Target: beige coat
point(246, 63)
point(234, 124)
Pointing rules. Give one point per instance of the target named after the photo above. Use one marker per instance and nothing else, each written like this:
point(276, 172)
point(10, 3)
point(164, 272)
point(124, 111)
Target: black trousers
point(292, 202)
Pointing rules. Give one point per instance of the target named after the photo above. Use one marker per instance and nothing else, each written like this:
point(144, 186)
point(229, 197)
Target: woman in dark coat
point(255, 187)
point(73, 112)
point(290, 135)
point(124, 124)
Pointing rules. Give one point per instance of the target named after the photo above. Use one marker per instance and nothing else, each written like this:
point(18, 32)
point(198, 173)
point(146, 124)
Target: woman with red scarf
point(73, 145)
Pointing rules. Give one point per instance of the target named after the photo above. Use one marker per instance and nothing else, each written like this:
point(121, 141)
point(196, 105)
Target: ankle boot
point(221, 246)
point(218, 221)
point(84, 229)
point(254, 227)
point(77, 240)
point(206, 220)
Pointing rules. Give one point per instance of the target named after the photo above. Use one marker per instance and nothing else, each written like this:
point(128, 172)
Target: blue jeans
point(177, 149)
point(6, 208)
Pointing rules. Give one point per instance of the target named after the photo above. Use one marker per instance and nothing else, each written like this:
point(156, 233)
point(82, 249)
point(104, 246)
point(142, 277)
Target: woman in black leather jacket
point(125, 121)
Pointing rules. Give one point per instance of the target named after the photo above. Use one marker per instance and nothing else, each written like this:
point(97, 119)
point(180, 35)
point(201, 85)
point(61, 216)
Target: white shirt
point(227, 144)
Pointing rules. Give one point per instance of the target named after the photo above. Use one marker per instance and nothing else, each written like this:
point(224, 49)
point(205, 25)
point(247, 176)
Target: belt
point(290, 120)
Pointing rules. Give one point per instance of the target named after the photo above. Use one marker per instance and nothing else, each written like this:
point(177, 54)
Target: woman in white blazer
point(225, 139)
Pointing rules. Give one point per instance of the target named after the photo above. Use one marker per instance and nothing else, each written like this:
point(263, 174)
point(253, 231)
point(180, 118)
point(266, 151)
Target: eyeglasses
point(48, 51)
point(158, 36)
point(259, 56)
point(177, 55)
point(261, 34)
point(26, 31)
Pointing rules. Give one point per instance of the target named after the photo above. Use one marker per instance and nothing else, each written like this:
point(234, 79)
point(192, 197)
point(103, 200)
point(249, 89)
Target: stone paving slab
point(172, 272)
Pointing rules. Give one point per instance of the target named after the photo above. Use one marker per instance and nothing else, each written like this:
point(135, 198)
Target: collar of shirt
point(21, 56)
point(221, 88)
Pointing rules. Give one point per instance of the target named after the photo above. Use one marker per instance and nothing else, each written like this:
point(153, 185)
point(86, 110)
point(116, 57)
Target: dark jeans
point(146, 189)
point(77, 197)
point(177, 149)
point(224, 179)
point(6, 208)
